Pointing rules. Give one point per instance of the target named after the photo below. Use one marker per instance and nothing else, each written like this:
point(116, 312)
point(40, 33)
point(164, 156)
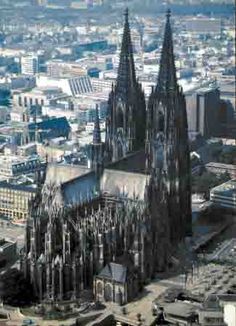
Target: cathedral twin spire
point(167, 129)
point(127, 130)
point(167, 80)
point(125, 127)
point(162, 128)
point(168, 216)
point(126, 71)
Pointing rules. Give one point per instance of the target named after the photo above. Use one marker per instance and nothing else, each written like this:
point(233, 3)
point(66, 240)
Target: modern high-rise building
point(203, 111)
point(29, 64)
point(59, 68)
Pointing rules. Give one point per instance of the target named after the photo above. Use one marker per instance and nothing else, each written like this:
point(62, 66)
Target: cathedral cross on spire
point(167, 80)
point(126, 14)
point(168, 13)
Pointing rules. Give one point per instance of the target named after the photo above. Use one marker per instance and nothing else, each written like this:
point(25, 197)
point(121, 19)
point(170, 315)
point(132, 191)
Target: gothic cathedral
point(114, 239)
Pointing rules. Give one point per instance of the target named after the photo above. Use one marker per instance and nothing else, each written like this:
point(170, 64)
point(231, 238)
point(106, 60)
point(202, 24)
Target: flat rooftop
point(4, 244)
point(225, 189)
point(61, 173)
point(221, 165)
point(18, 187)
point(181, 309)
point(13, 159)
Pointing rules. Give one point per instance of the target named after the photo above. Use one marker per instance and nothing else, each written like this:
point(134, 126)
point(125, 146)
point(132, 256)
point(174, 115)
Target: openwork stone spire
point(126, 71)
point(167, 80)
point(96, 130)
point(167, 134)
point(125, 123)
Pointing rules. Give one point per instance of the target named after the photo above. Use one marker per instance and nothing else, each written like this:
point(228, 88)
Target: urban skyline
point(117, 163)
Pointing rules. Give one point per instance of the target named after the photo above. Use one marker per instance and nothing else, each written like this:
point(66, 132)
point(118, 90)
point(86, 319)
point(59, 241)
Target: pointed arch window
point(120, 116)
point(161, 121)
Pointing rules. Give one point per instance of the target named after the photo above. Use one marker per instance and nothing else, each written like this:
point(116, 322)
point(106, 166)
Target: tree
point(228, 157)
point(224, 177)
point(15, 290)
point(216, 150)
point(208, 180)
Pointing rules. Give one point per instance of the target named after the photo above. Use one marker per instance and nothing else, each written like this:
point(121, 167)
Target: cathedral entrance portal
point(108, 292)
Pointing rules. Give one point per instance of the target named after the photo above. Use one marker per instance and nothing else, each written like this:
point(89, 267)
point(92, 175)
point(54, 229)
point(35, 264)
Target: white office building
point(29, 64)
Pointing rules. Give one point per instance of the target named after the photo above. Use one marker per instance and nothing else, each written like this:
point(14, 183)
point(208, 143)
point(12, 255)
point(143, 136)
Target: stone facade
point(115, 283)
point(125, 125)
point(167, 144)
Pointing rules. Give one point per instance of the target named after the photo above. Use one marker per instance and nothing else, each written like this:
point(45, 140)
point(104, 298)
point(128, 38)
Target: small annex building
point(115, 283)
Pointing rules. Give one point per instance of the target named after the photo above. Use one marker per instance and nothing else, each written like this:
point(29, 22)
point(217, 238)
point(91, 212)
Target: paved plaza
point(212, 279)
point(12, 232)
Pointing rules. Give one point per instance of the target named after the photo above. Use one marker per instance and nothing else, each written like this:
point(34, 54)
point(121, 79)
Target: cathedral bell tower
point(126, 116)
point(167, 146)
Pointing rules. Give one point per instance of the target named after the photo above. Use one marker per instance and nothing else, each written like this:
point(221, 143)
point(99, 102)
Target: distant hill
point(207, 7)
